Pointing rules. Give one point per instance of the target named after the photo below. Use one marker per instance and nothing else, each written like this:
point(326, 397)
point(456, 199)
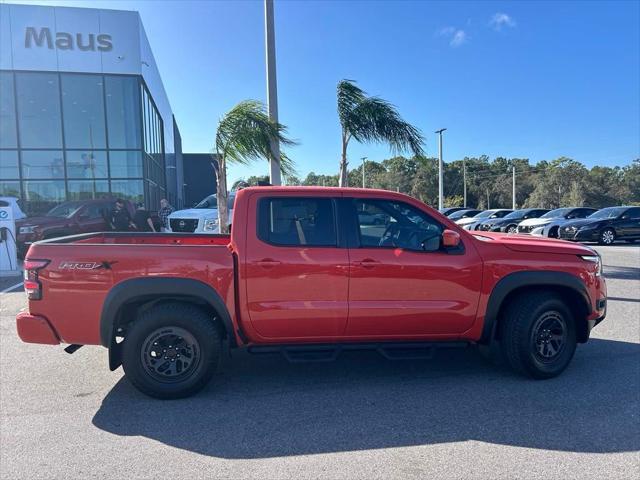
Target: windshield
point(558, 212)
point(66, 210)
point(212, 202)
point(611, 212)
point(516, 214)
point(485, 214)
point(461, 214)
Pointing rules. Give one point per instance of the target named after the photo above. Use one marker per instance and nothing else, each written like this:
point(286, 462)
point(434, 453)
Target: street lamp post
point(440, 171)
point(364, 159)
point(272, 89)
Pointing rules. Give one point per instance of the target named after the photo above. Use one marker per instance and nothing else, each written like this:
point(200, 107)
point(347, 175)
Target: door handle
point(268, 263)
point(366, 263)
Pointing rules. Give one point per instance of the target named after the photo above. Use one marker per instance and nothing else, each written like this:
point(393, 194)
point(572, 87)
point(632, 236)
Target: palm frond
point(349, 97)
point(376, 120)
point(372, 119)
point(245, 134)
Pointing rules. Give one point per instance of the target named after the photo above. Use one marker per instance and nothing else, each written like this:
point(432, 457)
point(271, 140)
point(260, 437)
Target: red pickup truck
point(310, 272)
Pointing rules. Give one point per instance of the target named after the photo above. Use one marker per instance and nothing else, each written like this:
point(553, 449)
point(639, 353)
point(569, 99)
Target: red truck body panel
point(304, 294)
point(73, 296)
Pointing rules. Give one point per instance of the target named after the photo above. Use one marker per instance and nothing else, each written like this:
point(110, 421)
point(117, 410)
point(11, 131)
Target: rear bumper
point(36, 329)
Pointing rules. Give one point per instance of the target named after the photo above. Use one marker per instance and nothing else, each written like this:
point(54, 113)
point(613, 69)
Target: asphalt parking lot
point(67, 416)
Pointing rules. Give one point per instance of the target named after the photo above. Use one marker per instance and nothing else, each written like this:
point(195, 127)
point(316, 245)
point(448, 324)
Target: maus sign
point(66, 41)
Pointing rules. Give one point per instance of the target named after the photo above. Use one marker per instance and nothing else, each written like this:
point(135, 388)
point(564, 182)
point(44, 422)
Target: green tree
point(576, 196)
point(244, 135)
point(372, 119)
point(373, 172)
point(631, 183)
point(293, 181)
point(425, 181)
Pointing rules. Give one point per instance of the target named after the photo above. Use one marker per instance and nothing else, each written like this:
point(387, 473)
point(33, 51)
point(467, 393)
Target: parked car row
point(581, 224)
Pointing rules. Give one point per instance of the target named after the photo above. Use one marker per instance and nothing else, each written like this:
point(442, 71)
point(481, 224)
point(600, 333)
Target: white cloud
point(456, 36)
point(446, 31)
point(501, 20)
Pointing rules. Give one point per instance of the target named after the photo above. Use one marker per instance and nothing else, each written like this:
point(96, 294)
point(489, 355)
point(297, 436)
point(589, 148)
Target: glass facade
point(76, 136)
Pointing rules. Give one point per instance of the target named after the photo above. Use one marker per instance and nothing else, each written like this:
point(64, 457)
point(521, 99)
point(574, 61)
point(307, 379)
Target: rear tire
point(512, 229)
point(171, 351)
point(538, 335)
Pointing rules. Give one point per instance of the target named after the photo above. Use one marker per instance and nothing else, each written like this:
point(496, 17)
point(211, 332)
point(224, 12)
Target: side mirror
point(450, 239)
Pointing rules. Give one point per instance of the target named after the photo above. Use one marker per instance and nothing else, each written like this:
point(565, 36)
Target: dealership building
point(83, 112)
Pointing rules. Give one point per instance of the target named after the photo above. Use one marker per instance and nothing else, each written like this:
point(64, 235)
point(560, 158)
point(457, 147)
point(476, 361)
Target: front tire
point(607, 237)
point(538, 335)
point(171, 351)
point(512, 229)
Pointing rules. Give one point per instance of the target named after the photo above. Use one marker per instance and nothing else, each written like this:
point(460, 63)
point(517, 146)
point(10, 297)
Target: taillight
point(32, 286)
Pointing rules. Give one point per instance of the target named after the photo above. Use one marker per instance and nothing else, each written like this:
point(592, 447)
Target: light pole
point(364, 159)
point(513, 188)
point(272, 89)
point(464, 181)
point(440, 171)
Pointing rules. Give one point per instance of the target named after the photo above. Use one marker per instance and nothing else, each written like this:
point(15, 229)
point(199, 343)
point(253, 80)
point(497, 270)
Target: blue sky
point(518, 79)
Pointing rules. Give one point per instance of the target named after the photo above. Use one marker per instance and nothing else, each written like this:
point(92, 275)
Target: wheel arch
point(126, 298)
point(515, 284)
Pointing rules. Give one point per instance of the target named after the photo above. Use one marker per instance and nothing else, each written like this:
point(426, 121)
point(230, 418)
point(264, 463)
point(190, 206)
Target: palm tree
point(244, 135)
point(372, 119)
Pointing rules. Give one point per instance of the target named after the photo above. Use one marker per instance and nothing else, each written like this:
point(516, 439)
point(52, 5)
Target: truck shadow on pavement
point(262, 407)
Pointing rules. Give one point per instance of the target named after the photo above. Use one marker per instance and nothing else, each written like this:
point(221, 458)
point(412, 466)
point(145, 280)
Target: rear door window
point(296, 222)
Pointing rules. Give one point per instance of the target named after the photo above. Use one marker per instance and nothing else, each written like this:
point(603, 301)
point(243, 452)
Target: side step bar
point(317, 352)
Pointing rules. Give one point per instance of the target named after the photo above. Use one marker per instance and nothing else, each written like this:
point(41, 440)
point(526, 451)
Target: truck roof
point(328, 190)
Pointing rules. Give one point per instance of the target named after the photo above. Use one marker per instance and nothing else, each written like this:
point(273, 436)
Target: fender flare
point(516, 280)
point(145, 287)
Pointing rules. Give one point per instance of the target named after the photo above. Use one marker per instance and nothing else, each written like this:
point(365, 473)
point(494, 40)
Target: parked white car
point(548, 225)
point(470, 223)
point(203, 218)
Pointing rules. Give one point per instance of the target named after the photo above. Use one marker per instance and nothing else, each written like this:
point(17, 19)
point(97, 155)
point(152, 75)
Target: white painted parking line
point(7, 290)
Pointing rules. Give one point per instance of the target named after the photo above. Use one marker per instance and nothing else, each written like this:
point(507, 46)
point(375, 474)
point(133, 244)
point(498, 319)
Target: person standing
point(120, 218)
point(165, 210)
point(142, 219)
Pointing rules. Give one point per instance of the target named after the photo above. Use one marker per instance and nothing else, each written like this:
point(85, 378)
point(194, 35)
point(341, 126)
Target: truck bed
point(83, 269)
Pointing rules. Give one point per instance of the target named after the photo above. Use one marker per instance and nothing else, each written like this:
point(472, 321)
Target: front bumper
point(602, 309)
point(579, 235)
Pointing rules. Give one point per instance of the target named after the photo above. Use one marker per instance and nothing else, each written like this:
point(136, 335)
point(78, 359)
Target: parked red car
point(68, 218)
point(303, 274)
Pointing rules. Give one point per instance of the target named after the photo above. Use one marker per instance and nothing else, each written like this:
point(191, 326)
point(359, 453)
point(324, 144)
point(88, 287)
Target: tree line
point(246, 133)
point(547, 184)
